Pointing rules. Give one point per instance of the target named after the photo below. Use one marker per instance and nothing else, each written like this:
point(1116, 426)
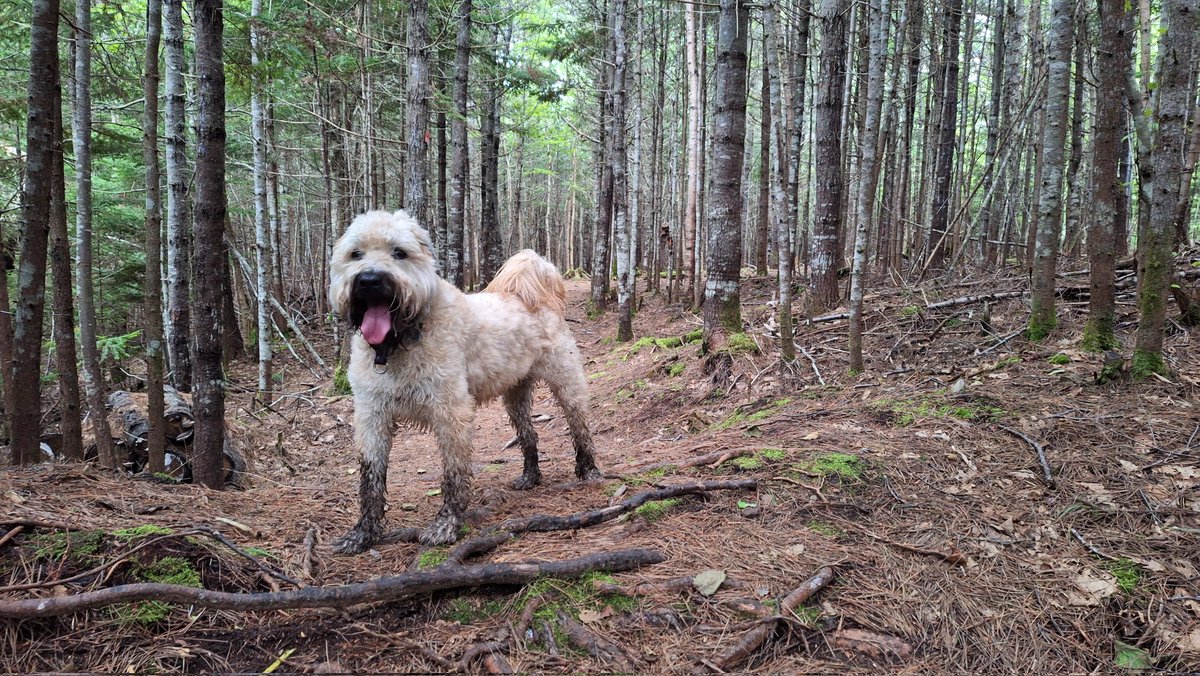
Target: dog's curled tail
point(533, 280)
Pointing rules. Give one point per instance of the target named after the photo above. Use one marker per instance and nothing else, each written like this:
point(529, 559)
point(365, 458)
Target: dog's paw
point(589, 473)
point(443, 531)
point(527, 480)
point(356, 541)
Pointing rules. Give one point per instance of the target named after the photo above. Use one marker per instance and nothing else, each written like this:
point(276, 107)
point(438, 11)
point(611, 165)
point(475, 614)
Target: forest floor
point(951, 551)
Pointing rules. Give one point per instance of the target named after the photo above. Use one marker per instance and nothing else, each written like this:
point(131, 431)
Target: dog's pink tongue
point(376, 324)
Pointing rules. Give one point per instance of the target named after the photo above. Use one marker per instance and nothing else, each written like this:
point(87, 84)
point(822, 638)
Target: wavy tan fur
point(472, 349)
point(532, 280)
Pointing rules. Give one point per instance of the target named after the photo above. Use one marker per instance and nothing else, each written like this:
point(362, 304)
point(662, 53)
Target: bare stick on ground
point(342, 596)
point(493, 537)
point(1041, 454)
point(759, 634)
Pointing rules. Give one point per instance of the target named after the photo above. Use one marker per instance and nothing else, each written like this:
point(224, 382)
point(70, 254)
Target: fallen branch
point(1041, 454)
point(676, 584)
point(383, 589)
point(812, 360)
point(971, 300)
point(549, 522)
point(14, 532)
point(493, 537)
point(756, 636)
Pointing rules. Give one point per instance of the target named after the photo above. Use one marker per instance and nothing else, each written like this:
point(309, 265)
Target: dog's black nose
point(369, 280)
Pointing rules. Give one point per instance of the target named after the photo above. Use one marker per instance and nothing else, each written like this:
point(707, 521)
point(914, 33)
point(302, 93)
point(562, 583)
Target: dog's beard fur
point(393, 251)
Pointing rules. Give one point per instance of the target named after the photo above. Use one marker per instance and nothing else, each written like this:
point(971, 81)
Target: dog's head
point(381, 279)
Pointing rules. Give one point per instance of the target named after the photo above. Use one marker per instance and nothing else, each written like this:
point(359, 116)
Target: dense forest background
point(834, 146)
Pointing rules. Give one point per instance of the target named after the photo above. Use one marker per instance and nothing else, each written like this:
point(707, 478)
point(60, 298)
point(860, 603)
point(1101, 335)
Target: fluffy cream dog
point(427, 354)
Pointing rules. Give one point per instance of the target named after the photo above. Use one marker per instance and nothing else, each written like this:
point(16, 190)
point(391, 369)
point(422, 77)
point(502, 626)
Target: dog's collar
point(402, 337)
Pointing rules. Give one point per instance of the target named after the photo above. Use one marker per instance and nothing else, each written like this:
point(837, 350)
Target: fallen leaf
point(708, 582)
point(795, 550)
point(742, 504)
point(593, 616)
point(811, 436)
point(1090, 589)
point(1191, 642)
point(872, 643)
point(1131, 657)
point(433, 492)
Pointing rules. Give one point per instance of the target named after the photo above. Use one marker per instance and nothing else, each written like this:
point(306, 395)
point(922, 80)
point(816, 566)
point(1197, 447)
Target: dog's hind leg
point(518, 401)
point(453, 429)
point(374, 426)
point(569, 386)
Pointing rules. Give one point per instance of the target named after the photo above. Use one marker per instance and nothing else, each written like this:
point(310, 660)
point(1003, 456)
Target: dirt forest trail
point(950, 551)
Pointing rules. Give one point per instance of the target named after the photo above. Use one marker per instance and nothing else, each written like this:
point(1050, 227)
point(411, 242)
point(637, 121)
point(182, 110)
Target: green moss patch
point(466, 610)
point(656, 509)
point(747, 462)
point(906, 412)
point(141, 531)
point(432, 558)
point(1128, 574)
point(676, 368)
point(824, 529)
point(741, 416)
point(75, 545)
point(841, 465)
point(1059, 359)
point(167, 570)
point(740, 343)
point(341, 381)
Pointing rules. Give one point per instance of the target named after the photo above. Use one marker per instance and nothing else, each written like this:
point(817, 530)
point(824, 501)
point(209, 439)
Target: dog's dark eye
point(356, 255)
point(399, 254)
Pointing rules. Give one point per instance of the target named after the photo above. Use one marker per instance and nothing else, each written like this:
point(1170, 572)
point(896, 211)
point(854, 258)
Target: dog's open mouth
point(383, 322)
point(376, 324)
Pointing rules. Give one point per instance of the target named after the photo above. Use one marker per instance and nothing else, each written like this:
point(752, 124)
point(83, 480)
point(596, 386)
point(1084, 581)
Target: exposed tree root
point(596, 645)
point(759, 634)
point(341, 596)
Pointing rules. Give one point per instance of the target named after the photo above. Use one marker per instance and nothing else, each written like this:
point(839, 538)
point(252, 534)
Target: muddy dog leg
point(569, 386)
point(374, 426)
point(453, 428)
point(518, 401)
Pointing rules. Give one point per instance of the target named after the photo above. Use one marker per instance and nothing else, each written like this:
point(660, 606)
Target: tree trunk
point(93, 379)
point(418, 111)
point(798, 70)
point(64, 310)
point(722, 293)
point(1113, 55)
point(208, 400)
point(621, 222)
point(35, 211)
point(156, 434)
point(993, 207)
point(762, 229)
point(826, 249)
point(1013, 75)
point(778, 145)
point(1075, 189)
point(939, 241)
point(262, 238)
point(1043, 317)
point(178, 216)
point(489, 220)
point(692, 195)
point(456, 209)
point(877, 21)
point(1174, 96)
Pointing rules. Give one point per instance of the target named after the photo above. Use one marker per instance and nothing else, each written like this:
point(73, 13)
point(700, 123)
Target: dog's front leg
point(373, 429)
point(454, 440)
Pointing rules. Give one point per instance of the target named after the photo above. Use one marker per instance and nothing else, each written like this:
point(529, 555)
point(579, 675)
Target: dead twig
point(1091, 547)
point(812, 360)
point(16, 530)
point(1041, 454)
point(759, 634)
point(307, 564)
point(382, 589)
